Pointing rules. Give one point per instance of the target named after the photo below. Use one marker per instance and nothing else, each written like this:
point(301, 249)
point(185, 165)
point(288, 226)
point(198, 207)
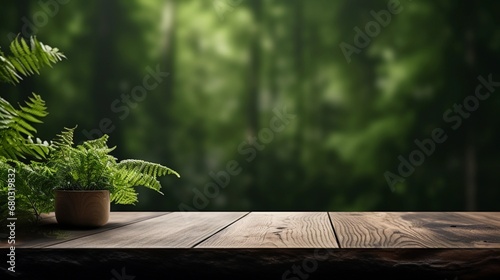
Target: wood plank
point(48, 232)
point(416, 229)
point(485, 217)
point(276, 230)
point(176, 230)
point(462, 229)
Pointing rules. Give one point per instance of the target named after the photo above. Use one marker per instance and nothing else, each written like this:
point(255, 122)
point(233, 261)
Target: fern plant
point(17, 131)
point(90, 166)
point(16, 124)
point(33, 191)
point(59, 164)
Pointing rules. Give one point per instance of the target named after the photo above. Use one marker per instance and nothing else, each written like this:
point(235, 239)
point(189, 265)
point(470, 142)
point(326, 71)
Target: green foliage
point(90, 166)
point(87, 166)
point(4, 171)
point(58, 164)
point(26, 60)
point(33, 191)
point(353, 119)
point(132, 172)
point(84, 167)
point(17, 131)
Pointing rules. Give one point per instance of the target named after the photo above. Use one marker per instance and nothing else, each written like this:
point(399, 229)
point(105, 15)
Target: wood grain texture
point(82, 208)
point(276, 230)
point(416, 229)
point(485, 217)
point(49, 232)
point(176, 230)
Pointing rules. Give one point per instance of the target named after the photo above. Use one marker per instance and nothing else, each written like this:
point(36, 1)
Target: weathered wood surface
point(48, 232)
point(176, 230)
point(417, 230)
point(268, 245)
point(276, 230)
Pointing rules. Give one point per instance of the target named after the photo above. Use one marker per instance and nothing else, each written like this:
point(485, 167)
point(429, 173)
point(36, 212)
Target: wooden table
point(266, 245)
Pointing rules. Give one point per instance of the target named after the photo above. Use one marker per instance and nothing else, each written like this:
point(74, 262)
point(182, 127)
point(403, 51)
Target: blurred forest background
point(280, 104)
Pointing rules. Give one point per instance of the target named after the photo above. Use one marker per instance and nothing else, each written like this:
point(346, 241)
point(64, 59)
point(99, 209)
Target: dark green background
point(230, 63)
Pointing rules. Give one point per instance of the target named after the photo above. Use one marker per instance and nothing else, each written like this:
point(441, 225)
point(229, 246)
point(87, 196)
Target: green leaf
point(27, 60)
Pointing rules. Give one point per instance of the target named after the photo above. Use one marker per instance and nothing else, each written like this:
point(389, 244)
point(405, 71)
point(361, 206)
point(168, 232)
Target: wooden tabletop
point(451, 241)
point(279, 230)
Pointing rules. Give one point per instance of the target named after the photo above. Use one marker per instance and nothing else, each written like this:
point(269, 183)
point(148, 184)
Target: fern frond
point(149, 168)
point(65, 138)
point(16, 125)
point(99, 144)
point(27, 60)
point(35, 108)
point(39, 149)
point(131, 173)
point(133, 179)
point(8, 71)
point(123, 194)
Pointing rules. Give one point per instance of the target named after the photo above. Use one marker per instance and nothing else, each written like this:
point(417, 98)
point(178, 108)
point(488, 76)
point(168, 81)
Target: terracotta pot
point(82, 208)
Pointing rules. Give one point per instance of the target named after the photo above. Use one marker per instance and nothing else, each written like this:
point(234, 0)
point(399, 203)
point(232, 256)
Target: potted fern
point(87, 178)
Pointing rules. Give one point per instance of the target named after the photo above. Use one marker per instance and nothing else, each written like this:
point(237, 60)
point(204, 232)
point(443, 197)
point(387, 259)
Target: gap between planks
point(177, 230)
